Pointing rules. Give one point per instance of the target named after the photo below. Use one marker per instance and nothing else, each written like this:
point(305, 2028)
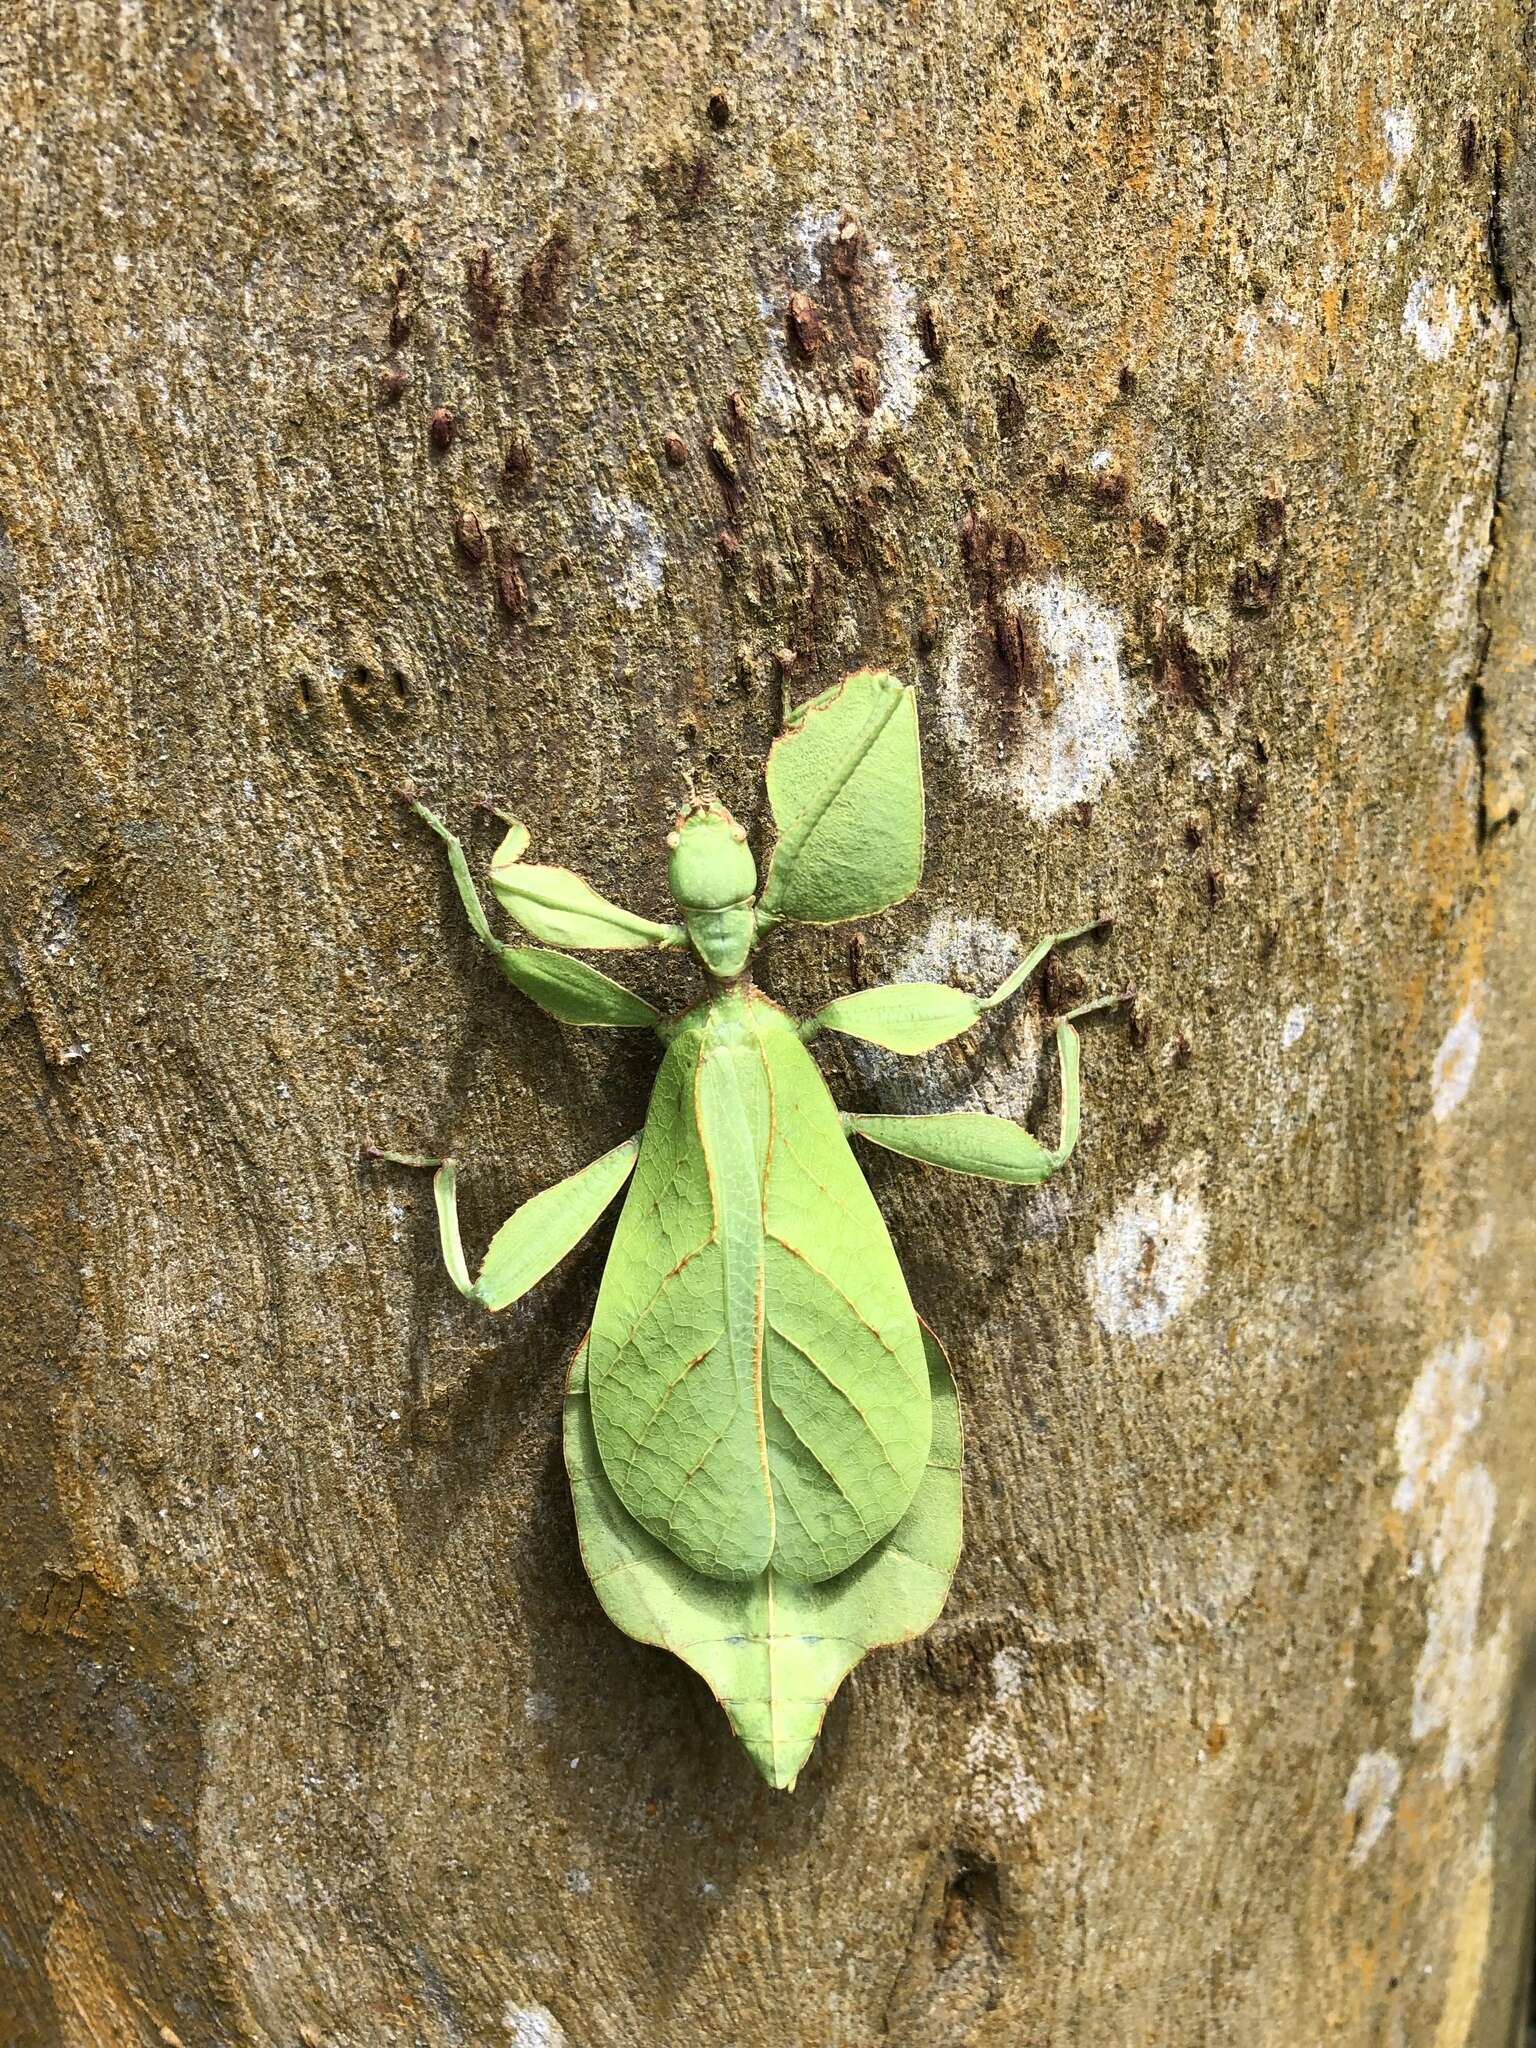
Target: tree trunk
point(533, 400)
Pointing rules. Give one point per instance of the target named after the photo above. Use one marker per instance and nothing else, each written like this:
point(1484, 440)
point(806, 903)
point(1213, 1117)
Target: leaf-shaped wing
point(758, 1387)
point(773, 1649)
point(845, 783)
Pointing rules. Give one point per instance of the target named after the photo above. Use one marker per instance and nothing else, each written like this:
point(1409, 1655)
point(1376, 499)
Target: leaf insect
point(763, 1439)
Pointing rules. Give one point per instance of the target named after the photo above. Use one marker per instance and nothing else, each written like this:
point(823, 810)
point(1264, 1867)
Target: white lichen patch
point(1469, 525)
point(1400, 128)
point(630, 551)
point(1008, 1668)
point(1060, 748)
point(532, 2026)
point(786, 399)
point(902, 362)
point(1372, 1792)
point(1468, 549)
point(1297, 1018)
point(1148, 1262)
point(1452, 1501)
point(1459, 1684)
point(1432, 318)
point(1456, 1063)
point(1442, 1409)
point(1002, 1789)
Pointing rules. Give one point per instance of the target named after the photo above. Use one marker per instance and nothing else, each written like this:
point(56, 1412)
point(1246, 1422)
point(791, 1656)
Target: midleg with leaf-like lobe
point(989, 1147)
point(534, 1238)
point(758, 1385)
point(917, 1016)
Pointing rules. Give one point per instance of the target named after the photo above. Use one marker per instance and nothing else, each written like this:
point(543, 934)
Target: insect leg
point(992, 1147)
point(1033, 958)
point(563, 988)
point(464, 882)
point(916, 1016)
point(536, 1237)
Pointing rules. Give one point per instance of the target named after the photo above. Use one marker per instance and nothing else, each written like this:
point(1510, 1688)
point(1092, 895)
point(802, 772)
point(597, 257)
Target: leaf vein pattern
point(811, 1266)
point(668, 1391)
point(817, 1459)
point(832, 1200)
point(623, 1343)
point(843, 1392)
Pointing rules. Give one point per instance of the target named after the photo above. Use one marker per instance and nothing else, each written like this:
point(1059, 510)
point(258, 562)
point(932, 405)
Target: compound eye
point(674, 839)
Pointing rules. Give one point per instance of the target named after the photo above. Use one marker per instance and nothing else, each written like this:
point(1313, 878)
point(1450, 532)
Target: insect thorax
point(721, 938)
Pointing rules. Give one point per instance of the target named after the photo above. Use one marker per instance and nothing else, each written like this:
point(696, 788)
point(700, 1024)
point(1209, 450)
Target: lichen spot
point(1449, 1503)
point(1432, 318)
point(1372, 1792)
point(532, 2026)
point(1439, 1415)
point(1399, 127)
point(1046, 746)
point(630, 549)
point(1459, 1683)
point(1297, 1018)
point(1148, 1263)
point(1456, 1063)
point(840, 328)
point(1008, 1669)
point(1002, 1788)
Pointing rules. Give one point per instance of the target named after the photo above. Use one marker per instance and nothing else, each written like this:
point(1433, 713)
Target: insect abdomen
point(758, 1383)
point(844, 1366)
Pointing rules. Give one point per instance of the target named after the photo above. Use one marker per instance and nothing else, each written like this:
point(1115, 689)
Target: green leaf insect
point(763, 1440)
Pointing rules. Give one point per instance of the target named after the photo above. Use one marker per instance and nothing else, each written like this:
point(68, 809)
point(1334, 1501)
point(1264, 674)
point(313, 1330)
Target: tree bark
point(531, 400)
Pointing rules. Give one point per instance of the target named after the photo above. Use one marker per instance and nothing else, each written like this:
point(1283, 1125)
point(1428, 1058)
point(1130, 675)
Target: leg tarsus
point(484, 804)
point(463, 880)
point(1125, 995)
point(1038, 952)
point(400, 1158)
point(444, 1195)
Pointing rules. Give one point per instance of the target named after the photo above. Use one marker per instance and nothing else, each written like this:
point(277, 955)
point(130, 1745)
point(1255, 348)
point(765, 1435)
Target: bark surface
point(527, 400)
